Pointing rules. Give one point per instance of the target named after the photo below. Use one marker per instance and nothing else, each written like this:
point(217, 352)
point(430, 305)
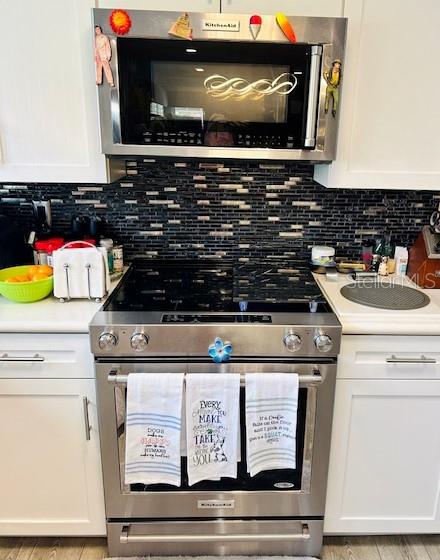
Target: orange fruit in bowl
point(45, 269)
point(22, 278)
point(32, 270)
point(40, 276)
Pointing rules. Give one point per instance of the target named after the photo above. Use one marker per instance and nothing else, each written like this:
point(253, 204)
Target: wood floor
point(416, 547)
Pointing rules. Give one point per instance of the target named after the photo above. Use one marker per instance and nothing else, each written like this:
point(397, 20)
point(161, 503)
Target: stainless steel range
point(162, 319)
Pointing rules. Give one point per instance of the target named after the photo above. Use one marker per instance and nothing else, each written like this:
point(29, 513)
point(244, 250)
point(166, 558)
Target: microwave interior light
point(198, 69)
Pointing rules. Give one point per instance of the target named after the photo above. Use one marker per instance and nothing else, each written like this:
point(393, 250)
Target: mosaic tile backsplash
point(234, 210)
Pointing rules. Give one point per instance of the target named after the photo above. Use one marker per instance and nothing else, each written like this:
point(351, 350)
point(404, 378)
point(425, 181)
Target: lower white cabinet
point(384, 472)
point(50, 468)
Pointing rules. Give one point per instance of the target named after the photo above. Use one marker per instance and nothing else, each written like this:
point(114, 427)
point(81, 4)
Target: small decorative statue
point(333, 77)
point(103, 54)
point(181, 28)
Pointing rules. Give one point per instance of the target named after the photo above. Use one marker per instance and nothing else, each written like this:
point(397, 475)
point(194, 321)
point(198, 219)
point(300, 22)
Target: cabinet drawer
point(45, 356)
point(389, 357)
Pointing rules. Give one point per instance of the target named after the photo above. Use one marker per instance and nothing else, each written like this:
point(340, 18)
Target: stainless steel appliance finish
point(276, 512)
point(218, 537)
point(113, 334)
point(327, 35)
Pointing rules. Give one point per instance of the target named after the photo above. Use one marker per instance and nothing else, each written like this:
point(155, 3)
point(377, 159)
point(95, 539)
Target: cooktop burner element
point(178, 309)
point(180, 286)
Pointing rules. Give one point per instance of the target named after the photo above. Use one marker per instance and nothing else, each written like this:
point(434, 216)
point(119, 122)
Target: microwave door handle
point(312, 101)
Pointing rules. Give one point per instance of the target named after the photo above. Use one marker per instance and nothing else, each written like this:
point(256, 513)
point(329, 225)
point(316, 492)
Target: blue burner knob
point(220, 351)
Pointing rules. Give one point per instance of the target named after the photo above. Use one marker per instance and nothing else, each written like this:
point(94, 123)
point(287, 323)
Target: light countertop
point(49, 315)
point(360, 319)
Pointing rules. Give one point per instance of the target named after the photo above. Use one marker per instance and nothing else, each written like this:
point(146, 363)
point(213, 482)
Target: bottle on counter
point(401, 258)
point(118, 258)
point(107, 244)
point(383, 267)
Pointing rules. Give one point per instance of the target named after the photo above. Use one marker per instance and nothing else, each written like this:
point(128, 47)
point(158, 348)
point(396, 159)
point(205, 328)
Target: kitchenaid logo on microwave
point(209, 504)
point(220, 25)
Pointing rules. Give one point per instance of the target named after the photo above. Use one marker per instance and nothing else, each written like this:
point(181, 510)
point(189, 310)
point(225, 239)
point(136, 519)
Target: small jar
point(118, 258)
point(41, 252)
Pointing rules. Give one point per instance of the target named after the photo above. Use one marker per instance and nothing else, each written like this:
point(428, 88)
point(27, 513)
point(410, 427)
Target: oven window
point(280, 479)
point(213, 93)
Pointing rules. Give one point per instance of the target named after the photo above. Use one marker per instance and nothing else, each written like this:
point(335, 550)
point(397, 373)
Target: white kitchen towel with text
point(153, 425)
point(271, 413)
point(212, 414)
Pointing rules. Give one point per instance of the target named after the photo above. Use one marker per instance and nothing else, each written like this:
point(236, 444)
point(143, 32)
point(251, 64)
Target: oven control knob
point(139, 341)
point(292, 342)
point(323, 343)
point(107, 341)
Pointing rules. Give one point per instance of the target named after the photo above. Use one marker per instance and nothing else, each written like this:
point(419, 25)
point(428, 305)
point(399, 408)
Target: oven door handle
point(126, 538)
point(313, 379)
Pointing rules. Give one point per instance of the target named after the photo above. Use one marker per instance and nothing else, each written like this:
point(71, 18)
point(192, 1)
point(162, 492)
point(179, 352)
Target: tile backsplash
point(236, 210)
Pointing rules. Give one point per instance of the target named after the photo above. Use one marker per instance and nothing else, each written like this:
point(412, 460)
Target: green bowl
point(24, 292)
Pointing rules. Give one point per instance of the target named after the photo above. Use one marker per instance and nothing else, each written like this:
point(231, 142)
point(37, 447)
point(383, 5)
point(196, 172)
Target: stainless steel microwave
point(220, 92)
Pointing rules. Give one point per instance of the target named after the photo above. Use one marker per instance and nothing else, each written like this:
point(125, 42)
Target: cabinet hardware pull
point(316, 378)
point(7, 358)
point(422, 360)
point(126, 538)
point(87, 425)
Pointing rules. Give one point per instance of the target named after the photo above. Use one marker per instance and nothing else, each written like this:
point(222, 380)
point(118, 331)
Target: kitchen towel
point(212, 415)
point(271, 413)
point(153, 424)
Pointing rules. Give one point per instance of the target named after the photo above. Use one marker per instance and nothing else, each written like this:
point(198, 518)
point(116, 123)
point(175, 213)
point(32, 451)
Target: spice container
point(44, 248)
point(118, 258)
point(40, 252)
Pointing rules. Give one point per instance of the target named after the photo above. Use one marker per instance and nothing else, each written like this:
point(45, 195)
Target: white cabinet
point(165, 5)
point(384, 474)
point(389, 120)
point(50, 472)
point(49, 128)
point(319, 8)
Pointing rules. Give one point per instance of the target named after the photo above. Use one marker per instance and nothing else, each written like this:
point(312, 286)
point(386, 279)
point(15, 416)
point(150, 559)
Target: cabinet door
point(50, 472)
point(49, 129)
point(319, 8)
point(385, 458)
point(389, 121)
point(165, 5)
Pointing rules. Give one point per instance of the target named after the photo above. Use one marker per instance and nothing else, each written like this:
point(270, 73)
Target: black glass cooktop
point(204, 287)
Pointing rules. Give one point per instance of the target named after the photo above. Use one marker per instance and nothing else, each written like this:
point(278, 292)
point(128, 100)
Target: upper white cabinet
point(49, 127)
point(165, 5)
point(388, 131)
point(319, 8)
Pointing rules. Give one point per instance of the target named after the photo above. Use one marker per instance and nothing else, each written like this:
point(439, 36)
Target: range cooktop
point(205, 287)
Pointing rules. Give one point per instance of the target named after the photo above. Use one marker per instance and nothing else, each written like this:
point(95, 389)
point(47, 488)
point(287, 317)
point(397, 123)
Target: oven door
point(283, 492)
